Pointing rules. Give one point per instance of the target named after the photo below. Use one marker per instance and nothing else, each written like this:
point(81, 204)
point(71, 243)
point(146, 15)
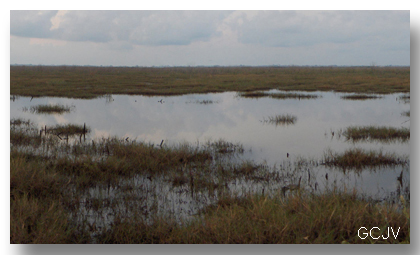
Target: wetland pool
point(199, 118)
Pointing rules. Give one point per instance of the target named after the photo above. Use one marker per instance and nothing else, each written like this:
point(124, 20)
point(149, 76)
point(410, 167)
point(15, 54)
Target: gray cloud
point(136, 27)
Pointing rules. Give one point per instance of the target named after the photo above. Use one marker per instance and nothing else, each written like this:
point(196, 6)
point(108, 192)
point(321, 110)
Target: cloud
point(134, 27)
point(210, 37)
point(31, 23)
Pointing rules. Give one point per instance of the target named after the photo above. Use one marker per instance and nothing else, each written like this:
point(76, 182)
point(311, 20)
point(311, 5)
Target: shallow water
point(198, 118)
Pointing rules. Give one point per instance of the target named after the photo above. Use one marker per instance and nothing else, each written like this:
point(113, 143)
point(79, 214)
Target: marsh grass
point(281, 120)
point(358, 158)
point(334, 217)
point(48, 109)
point(374, 133)
point(27, 176)
point(360, 97)
point(37, 214)
point(91, 82)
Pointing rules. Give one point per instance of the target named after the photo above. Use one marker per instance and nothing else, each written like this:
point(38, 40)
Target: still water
point(198, 118)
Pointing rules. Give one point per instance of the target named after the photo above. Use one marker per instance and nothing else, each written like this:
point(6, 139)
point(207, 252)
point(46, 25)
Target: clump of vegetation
point(48, 109)
point(281, 120)
point(358, 158)
point(376, 133)
point(360, 97)
point(406, 113)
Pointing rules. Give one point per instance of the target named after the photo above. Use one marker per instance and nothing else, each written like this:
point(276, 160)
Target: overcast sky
point(193, 38)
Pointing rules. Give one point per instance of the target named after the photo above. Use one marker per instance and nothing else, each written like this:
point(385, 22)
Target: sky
point(208, 38)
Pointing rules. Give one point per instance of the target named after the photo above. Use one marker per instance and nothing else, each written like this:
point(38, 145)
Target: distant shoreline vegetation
point(92, 81)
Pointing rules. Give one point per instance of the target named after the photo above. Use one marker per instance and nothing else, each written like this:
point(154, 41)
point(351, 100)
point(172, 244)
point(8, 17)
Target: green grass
point(91, 82)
